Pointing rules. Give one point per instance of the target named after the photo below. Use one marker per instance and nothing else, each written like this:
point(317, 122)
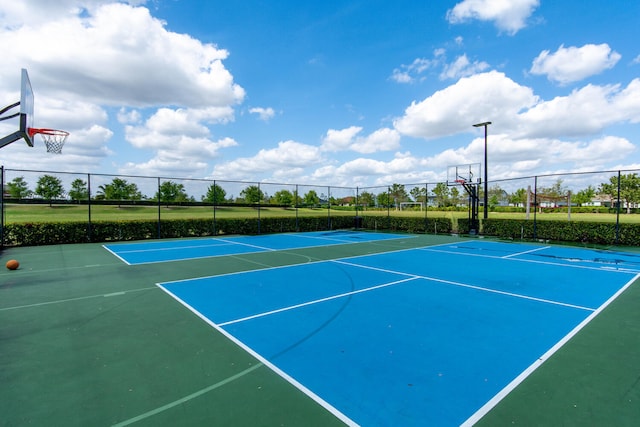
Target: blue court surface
point(175, 250)
point(429, 336)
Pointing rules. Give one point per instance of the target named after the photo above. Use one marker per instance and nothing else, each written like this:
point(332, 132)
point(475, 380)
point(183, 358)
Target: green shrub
point(51, 233)
point(34, 234)
point(603, 233)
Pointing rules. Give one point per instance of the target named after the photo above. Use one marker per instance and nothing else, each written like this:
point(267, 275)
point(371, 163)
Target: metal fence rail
point(90, 197)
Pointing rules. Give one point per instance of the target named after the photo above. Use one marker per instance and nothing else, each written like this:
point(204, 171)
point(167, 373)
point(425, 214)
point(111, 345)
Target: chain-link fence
point(31, 196)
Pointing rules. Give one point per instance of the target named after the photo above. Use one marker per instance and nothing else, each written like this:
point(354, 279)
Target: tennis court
point(325, 328)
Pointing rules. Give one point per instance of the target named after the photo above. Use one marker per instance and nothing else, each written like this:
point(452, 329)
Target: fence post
point(159, 209)
point(535, 207)
point(329, 207)
point(357, 218)
point(215, 198)
point(618, 211)
point(295, 203)
point(426, 206)
point(89, 231)
point(388, 208)
point(259, 200)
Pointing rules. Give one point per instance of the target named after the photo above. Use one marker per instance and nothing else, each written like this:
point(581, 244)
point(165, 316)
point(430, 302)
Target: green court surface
point(87, 340)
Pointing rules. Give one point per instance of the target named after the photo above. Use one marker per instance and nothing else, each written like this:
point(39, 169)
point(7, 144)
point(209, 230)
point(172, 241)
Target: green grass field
point(15, 213)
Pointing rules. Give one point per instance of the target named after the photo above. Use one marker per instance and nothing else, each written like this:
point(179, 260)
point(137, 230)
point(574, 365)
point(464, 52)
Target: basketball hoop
point(54, 139)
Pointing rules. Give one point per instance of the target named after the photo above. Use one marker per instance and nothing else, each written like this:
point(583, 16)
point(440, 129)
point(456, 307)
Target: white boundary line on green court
point(258, 249)
point(473, 419)
point(342, 417)
point(113, 294)
point(188, 397)
point(172, 248)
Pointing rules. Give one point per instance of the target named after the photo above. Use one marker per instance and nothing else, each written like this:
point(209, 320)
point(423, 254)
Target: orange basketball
point(12, 264)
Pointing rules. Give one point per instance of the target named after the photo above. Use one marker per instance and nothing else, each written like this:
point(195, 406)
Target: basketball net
point(54, 139)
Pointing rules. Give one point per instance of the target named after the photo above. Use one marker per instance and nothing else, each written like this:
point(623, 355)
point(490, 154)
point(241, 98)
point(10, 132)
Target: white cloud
point(184, 156)
point(508, 158)
point(265, 114)
point(363, 170)
point(129, 116)
point(462, 67)
point(347, 139)
point(508, 15)
point(381, 140)
point(401, 76)
point(339, 140)
point(511, 107)
point(91, 142)
point(287, 156)
point(571, 64)
point(83, 56)
point(166, 126)
point(186, 72)
point(412, 72)
point(181, 144)
point(505, 151)
point(481, 97)
point(636, 60)
point(584, 111)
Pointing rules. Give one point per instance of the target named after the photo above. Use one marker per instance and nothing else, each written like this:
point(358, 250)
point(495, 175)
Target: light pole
point(486, 183)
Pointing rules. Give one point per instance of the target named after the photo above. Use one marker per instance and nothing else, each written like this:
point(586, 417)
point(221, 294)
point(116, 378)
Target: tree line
point(49, 187)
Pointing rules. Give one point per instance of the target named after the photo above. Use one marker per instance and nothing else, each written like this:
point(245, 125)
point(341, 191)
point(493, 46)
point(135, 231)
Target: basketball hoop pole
point(486, 180)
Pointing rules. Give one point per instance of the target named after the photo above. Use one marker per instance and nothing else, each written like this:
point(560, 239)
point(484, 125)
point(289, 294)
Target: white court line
point(231, 243)
point(259, 249)
point(234, 273)
point(479, 288)
point(337, 239)
point(188, 397)
point(266, 362)
point(317, 261)
point(40, 304)
point(559, 264)
point(116, 255)
point(171, 248)
point(248, 245)
point(526, 252)
point(304, 304)
point(473, 419)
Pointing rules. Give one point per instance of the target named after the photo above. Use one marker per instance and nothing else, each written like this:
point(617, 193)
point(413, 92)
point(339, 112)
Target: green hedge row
point(409, 225)
point(34, 234)
point(603, 233)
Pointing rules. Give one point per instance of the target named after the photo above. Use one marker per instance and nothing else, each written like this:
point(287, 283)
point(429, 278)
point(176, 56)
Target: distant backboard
point(464, 174)
point(26, 107)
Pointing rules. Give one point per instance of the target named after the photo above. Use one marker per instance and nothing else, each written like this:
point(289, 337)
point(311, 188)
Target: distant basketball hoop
point(54, 139)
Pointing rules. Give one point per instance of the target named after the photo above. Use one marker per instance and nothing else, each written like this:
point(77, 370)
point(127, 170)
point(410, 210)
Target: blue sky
point(330, 93)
